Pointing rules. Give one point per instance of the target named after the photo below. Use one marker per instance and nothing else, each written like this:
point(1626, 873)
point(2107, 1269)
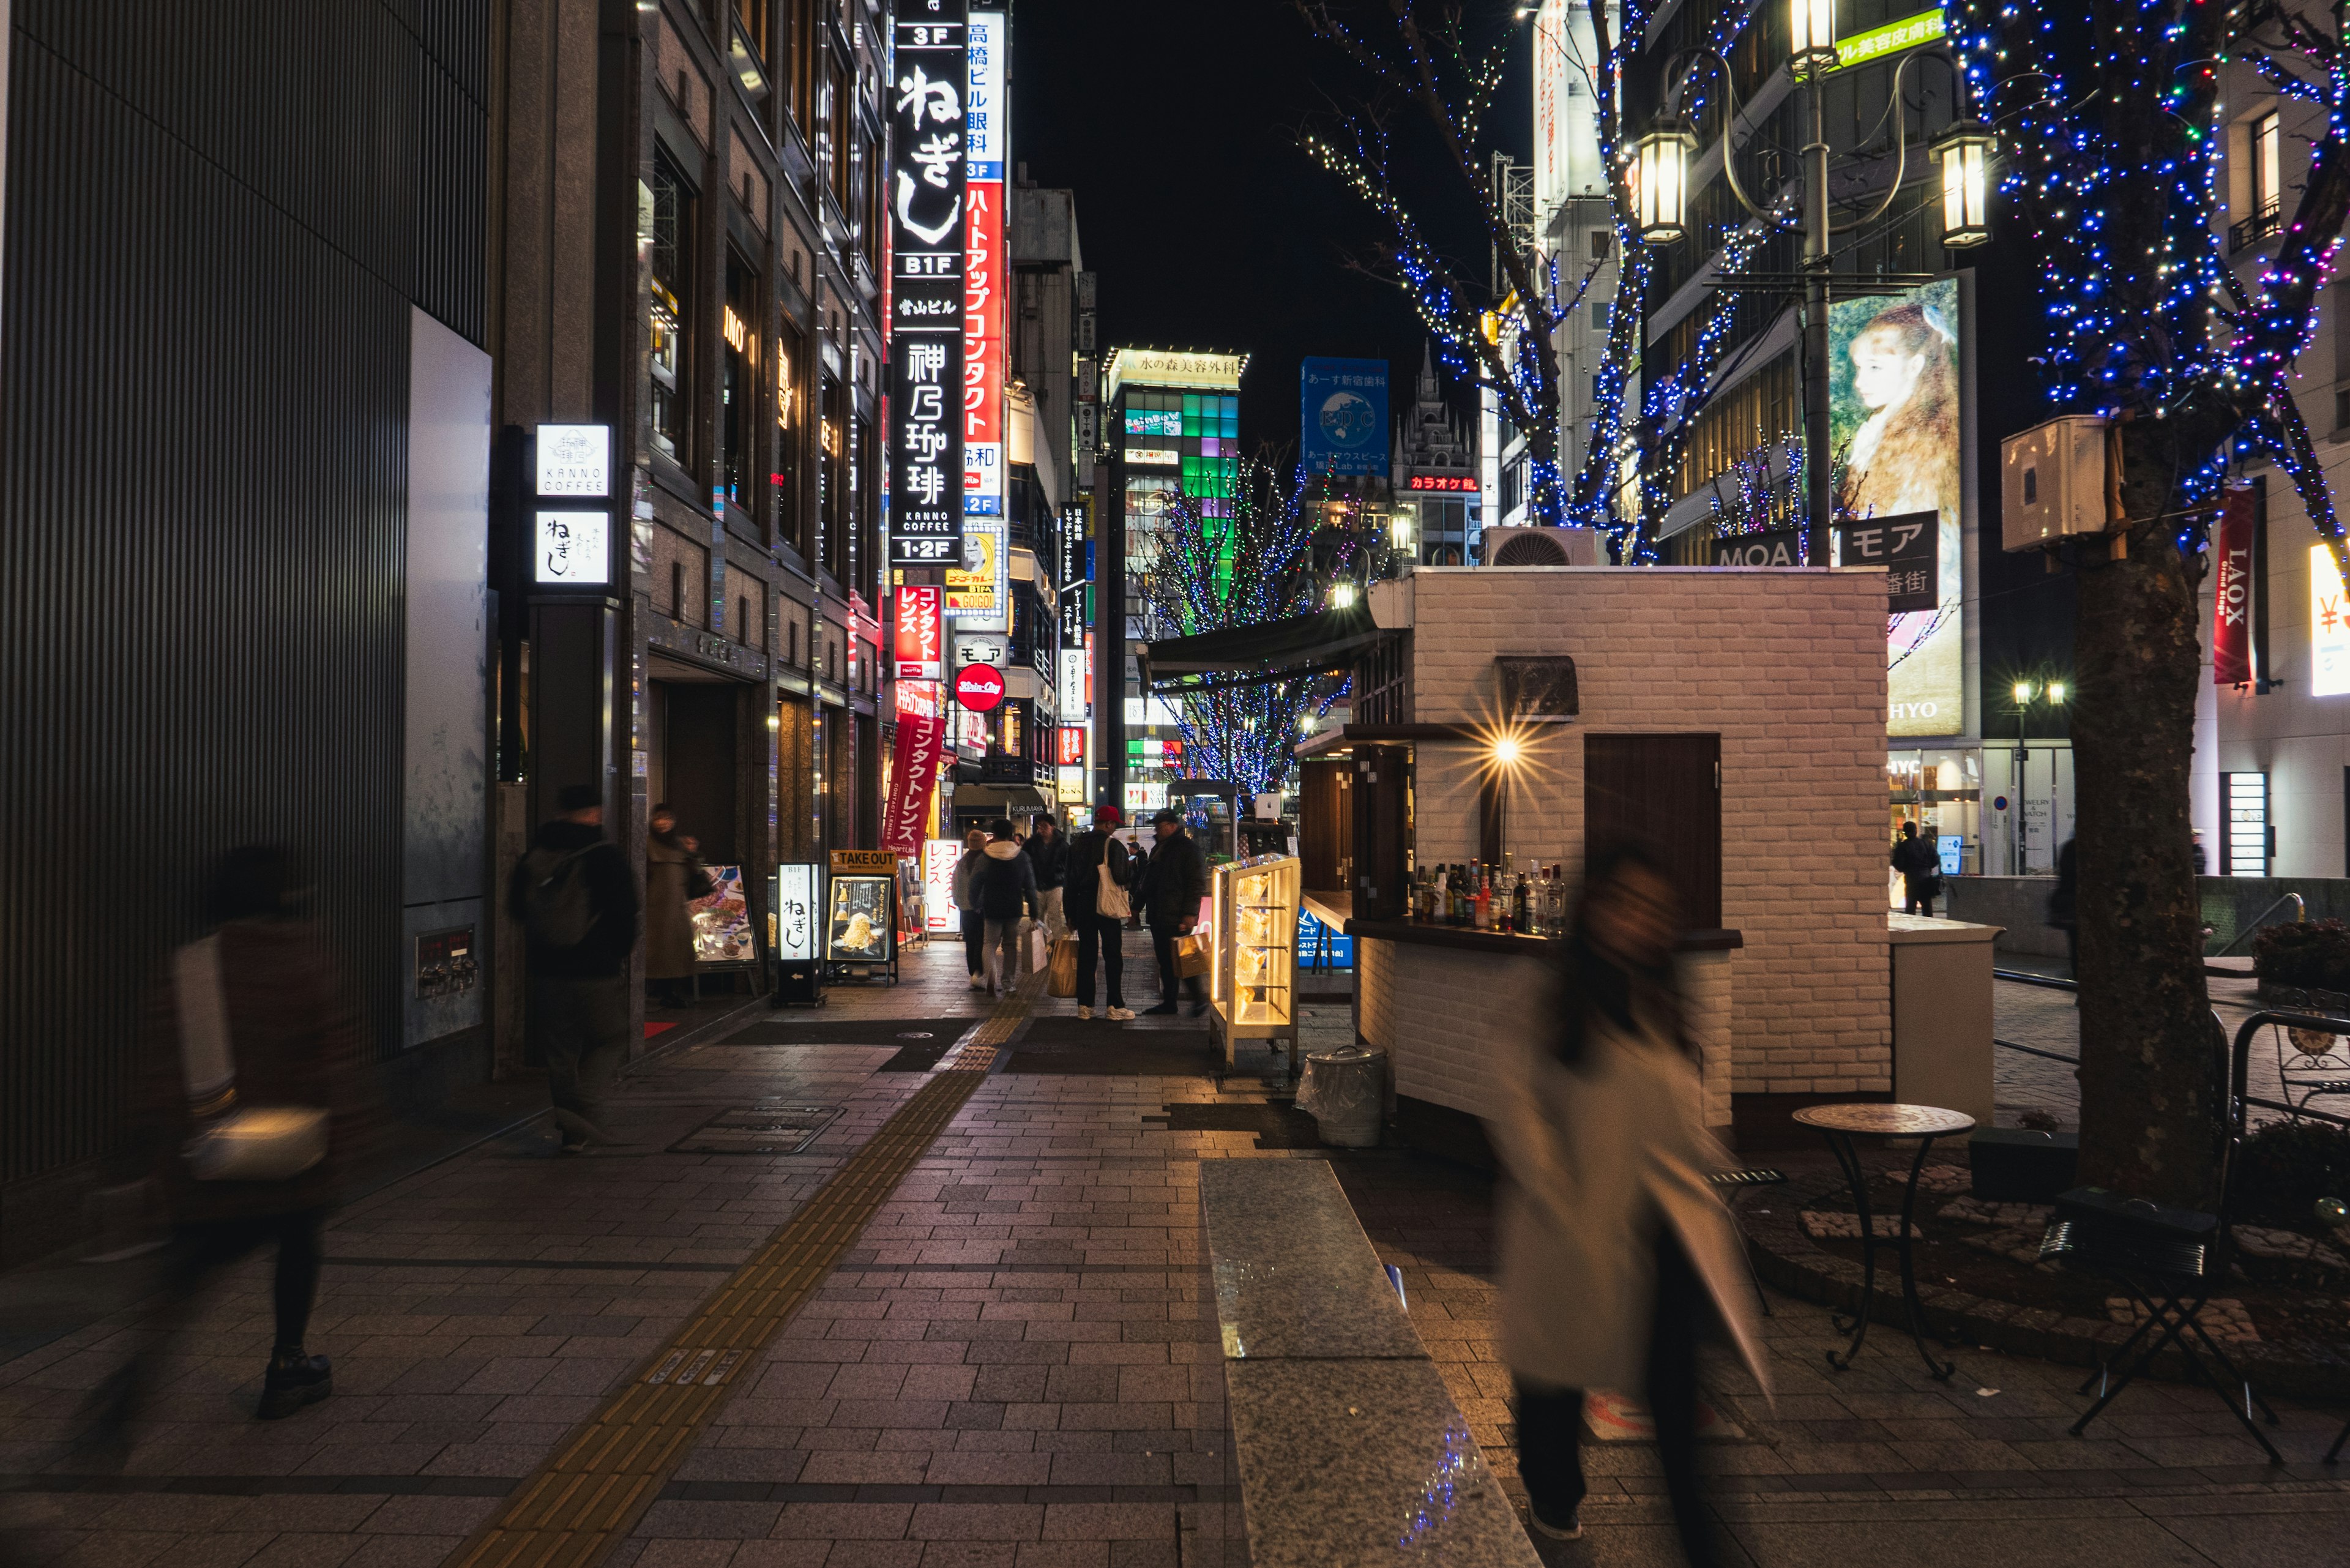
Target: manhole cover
point(765, 1127)
point(915, 1034)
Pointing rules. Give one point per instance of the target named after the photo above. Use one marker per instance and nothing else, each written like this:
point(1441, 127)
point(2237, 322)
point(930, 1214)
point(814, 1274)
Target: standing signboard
point(794, 902)
point(860, 926)
point(928, 170)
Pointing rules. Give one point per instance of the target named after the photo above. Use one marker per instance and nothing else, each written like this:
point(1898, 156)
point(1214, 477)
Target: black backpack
point(558, 909)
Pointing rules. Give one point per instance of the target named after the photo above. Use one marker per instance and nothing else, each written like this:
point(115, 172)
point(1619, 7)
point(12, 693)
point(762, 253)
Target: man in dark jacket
point(577, 899)
point(1099, 936)
point(1048, 853)
point(1920, 868)
point(1005, 883)
point(1173, 883)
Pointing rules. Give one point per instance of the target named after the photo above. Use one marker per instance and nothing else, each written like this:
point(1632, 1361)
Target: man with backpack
point(577, 899)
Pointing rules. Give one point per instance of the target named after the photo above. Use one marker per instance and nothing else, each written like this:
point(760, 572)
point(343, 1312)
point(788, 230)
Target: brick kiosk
point(1732, 717)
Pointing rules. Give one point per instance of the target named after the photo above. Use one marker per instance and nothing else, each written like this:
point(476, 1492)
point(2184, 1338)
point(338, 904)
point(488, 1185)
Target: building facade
point(1439, 502)
point(686, 239)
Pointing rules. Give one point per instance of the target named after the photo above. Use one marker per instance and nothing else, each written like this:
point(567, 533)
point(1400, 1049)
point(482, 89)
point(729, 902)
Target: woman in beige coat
point(1616, 1257)
point(674, 877)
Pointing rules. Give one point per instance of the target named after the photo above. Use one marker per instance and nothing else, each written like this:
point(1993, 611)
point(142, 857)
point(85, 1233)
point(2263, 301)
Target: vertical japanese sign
point(2232, 609)
point(918, 633)
point(984, 270)
point(921, 744)
point(928, 168)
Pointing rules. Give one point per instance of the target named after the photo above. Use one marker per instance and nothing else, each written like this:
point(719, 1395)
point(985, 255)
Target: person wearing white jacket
point(1615, 1256)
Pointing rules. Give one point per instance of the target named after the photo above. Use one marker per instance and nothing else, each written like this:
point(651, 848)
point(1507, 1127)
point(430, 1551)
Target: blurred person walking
point(250, 1109)
point(1615, 1256)
point(966, 897)
point(578, 901)
point(1173, 882)
point(674, 877)
point(1005, 885)
point(1100, 870)
point(1048, 852)
point(1922, 871)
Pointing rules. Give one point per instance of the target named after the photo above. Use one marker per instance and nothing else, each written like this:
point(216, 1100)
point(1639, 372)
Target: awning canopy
point(1324, 643)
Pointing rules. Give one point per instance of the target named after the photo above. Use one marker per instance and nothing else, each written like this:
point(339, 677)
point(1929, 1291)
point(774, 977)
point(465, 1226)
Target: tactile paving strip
point(591, 1494)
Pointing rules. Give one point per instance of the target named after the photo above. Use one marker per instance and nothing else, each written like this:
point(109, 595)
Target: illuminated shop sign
point(985, 111)
point(575, 460)
point(1461, 482)
point(572, 549)
point(927, 233)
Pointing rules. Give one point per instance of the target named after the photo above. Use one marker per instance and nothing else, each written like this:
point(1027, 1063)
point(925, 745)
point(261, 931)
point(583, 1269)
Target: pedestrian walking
point(1173, 883)
point(966, 897)
point(2202, 856)
point(2064, 909)
point(674, 877)
point(1099, 872)
point(249, 1111)
point(1005, 884)
point(1615, 1254)
point(1048, 853)
point(578, 902)
point(1920, 868)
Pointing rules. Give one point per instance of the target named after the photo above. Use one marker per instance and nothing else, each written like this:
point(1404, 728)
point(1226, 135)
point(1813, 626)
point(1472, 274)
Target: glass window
point(790, 414)
point(668, 223)
point(2268, 147)
point(738, 374)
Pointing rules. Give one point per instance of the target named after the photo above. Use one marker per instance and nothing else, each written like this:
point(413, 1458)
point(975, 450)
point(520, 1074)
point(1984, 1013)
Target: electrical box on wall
point(2052, 482)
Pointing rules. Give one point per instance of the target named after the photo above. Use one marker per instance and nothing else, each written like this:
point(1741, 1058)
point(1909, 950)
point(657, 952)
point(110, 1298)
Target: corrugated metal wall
point(218, 214)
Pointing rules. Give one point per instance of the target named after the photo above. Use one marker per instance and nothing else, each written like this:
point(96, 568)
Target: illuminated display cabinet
point(1253, 978)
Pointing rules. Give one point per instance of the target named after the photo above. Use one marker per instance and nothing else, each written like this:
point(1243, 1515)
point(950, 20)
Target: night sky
point(1175, 124)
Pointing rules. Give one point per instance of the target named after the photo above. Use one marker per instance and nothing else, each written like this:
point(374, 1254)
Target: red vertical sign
point(2231, 612)
point(917, 636)
point(921, 743)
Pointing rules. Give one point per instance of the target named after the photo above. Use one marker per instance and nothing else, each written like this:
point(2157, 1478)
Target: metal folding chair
point(1729, 1181)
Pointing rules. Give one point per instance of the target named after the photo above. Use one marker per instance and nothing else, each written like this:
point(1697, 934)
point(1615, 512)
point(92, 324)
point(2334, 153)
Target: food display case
point(1253, 976)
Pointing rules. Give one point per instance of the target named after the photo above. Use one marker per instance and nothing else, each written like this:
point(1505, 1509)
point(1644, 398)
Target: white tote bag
point(1110, 902)
point(257, 1143)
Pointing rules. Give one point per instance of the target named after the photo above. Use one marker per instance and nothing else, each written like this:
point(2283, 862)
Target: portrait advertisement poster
point(722, 922)
point(1343, 416)
point(857, 928)
point(1898, 397)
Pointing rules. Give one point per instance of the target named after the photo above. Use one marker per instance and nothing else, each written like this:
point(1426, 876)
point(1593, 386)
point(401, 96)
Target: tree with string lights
point(2111, 119)
point(1415, 142)
point(1267, 550)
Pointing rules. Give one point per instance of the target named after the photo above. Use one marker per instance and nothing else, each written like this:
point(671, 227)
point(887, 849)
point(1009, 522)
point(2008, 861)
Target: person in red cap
point(1095, 905)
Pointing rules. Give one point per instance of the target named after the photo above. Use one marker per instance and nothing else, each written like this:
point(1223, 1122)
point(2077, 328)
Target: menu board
point(722, 922)
point(857, 924)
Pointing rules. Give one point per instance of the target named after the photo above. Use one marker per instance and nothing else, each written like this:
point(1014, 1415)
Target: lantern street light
point(1660, 203)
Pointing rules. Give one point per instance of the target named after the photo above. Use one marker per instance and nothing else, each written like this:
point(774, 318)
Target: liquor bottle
point(1484, 903)
point(1456, 909)
point(1522, 914)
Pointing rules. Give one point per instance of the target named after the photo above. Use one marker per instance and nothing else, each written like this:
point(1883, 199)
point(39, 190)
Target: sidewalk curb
point(1790, 1262)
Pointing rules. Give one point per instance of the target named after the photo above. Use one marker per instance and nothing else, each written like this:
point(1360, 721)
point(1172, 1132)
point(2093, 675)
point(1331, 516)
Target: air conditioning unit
point(2052, 482)
point(1543, 547)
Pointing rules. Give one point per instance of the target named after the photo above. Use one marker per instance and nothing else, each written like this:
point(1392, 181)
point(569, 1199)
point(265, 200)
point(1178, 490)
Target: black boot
point(295, 1380)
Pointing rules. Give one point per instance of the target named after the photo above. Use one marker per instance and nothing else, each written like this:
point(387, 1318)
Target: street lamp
point(2024, 692)
point(1661, 198)
point(1963, 149)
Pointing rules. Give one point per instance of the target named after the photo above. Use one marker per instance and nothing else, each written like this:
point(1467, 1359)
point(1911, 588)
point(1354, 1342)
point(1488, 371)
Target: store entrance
point(692, 755)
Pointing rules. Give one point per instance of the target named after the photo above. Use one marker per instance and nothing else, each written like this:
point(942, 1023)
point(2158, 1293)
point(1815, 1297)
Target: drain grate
point(768, 1126)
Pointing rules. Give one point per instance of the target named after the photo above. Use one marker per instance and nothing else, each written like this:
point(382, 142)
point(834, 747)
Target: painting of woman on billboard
point(1898, 414)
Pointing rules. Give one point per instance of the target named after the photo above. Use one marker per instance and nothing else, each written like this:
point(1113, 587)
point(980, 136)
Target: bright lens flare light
point(2023, 690)
point(2055, 691)
point(1507, 750)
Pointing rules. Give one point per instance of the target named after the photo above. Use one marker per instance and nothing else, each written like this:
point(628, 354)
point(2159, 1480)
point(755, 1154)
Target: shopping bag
point(1190, 957)
point(1036, 955)
point(1061, 979)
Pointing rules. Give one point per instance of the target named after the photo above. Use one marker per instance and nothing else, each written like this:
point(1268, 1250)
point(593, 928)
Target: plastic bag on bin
point(1345, 1090)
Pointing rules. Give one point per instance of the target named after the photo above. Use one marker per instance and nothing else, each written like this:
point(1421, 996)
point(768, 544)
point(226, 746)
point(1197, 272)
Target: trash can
point(1346, 1092)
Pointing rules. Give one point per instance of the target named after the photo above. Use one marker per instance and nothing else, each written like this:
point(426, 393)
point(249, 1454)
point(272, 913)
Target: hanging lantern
point(1811, 36)
point(1964, 151)
point(1660, 183)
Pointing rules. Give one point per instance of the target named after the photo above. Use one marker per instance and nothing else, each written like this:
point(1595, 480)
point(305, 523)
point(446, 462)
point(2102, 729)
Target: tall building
point(1174, 418)
point(1571, 214)
point(1439, 502)
point(686, 231)
point(243, 344)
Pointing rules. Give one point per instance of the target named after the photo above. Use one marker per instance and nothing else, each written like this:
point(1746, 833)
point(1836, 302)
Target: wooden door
point(1664, 793)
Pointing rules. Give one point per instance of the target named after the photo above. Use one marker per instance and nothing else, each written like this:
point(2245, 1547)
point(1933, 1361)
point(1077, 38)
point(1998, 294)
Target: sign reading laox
point(928, 224)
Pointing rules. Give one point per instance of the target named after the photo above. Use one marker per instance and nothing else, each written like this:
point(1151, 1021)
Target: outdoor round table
point(1842, 1124)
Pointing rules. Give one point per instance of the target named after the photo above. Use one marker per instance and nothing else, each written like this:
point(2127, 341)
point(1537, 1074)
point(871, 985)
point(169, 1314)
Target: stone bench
point(1347, 1448)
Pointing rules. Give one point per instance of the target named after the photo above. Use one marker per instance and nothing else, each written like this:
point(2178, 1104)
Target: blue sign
point(1950, 848)
point(1343, 416)
point(1321, 946)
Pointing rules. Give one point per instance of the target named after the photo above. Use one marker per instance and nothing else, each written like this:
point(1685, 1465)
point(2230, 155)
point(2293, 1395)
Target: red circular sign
point(978, 687)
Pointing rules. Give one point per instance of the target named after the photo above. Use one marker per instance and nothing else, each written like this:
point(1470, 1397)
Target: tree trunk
point(2148, 1084)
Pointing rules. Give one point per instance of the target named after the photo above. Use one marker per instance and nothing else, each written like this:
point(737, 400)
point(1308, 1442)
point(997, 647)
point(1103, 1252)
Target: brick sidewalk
point(1015, 1364)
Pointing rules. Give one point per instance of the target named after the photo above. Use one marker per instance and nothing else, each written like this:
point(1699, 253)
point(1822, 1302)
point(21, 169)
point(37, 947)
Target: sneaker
point(292, 1381)
point(979, 982)
point(1164, 1009)
point(1571, 1531)
point(1084, 1012)
point(1119, 1014)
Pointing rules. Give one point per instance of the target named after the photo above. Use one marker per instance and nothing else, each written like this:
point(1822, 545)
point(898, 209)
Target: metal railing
point(2266, 220)
point(2300, 914)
